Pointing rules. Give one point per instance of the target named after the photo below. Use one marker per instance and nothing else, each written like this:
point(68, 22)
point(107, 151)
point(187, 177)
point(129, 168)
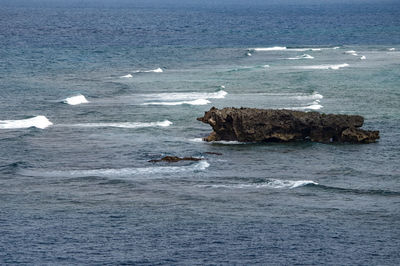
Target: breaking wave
point(37, 121)
point(272, 183)
point(194, 102)
point(75, 100)
point(333, 67)
point(165, 123)
point(121, 172)
point(157, 70)
point(313, 106)
point(351, 52)
point(187, 95)
point(314, 96)
point(283, 48)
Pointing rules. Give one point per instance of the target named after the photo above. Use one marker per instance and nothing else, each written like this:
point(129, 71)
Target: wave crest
point(272, 184)
point(194, 102)
point(333, 67)
point(75, 100)
point(37, 121)
point(121, 172)
point(164, 123)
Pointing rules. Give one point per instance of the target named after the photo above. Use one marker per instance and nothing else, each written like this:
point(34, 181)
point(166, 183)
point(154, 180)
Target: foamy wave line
point(314, 96)
point(75, 100)
point(333, 67)
point(304, 56)
point(313, 106)
point(223, 142)
point(187, 95)
point(351, 52)
point(157, 70)
point(273, 183)
point(194, 102)
point(165, 123)
point(122, 172)
point(37, 121)
point(283, 48)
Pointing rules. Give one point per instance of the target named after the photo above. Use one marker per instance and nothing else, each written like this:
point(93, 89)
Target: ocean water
point(91, 91)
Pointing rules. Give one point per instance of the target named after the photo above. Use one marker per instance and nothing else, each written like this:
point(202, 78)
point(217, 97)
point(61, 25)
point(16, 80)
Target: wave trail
point(194, 102)
point(157, 70)
point(165, 123)
point(313, 106)
point(37, 121)
point(283, 48)
point(75, 100)
point(333, 67)
point(121, 172)
point(272, 183)
point(187, 95)
point(314, 96)
point(275, 48)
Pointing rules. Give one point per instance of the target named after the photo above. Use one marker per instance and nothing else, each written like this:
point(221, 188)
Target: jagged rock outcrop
point(268, 125)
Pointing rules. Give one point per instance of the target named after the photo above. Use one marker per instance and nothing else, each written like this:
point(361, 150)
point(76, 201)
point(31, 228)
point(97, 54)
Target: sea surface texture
point(91, 91)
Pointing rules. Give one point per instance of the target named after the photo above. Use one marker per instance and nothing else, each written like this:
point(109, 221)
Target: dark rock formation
point(267, 125)
point(174, 159)
point(213, 153)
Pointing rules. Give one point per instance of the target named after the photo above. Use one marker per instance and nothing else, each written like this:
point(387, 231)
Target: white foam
point(266, 66)
point(314, 96)
point(363, 57)
point(127, 76)
point(194, 102)
point(392, 49)
point(351, 52)
point(119, 172)
point(165, 123)
point(336, 47)
point(275, 48)
point(37, 121)
point(273, 184)
point(304, 56)
point(157, 70)
point(75, 100)
point(187, 95)
point(248, 54)
point(334, 67)
point(198, 140)
point(283, 48)
point(304, 49)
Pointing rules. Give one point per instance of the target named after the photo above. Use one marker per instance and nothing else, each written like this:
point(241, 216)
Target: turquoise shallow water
point(76, 186)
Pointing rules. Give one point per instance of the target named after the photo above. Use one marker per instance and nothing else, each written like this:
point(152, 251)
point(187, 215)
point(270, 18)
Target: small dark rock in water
point(213, 153)
point(268, 125)
point(174, 159)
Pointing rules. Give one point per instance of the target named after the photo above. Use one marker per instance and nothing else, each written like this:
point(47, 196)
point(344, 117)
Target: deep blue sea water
point(76, 186)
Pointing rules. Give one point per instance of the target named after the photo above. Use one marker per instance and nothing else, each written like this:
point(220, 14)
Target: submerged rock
point(174, 159)
point(268, 125)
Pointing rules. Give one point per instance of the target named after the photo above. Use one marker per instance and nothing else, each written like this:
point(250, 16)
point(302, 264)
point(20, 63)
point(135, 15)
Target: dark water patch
point(372, 192)
point(12, 168)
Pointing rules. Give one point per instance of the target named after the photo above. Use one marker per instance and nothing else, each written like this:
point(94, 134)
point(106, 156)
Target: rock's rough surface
point(267, 125)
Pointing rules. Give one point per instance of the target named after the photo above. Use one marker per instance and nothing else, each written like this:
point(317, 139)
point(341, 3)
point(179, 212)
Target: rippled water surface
point(89, 94)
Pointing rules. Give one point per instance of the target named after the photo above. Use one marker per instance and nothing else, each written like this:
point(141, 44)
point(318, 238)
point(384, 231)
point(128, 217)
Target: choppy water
point(90, 95)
